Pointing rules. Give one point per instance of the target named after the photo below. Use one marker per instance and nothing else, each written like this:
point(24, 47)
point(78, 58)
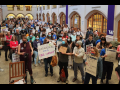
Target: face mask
point(77, 46)
point(61, 34)
point(74, 33)
point(49, 35)
point(60, 38)
point(80, 37)
point(37, 38)
point(30, 35)
point(68, 39)
point(24, 42)
point(110, 47)
point(23, 29)
point(36, 32)
point(63, 42)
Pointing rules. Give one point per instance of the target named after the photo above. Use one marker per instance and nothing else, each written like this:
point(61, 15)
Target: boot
point(31, 77)
point(107, 81)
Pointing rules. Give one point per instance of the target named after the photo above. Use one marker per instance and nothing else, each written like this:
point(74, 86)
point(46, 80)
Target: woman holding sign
point(94, 53)
point(107, 66)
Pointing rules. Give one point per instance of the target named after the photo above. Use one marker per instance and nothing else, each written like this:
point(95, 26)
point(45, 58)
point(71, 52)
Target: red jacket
point(13, 44)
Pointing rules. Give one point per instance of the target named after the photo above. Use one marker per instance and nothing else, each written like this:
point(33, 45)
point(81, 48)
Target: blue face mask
point(68, 39)
point(60, 38)
point(63, 42)
point(30, 35)
point(37, 38)
point(61, 34)
point(49, 35)
point(23, 29)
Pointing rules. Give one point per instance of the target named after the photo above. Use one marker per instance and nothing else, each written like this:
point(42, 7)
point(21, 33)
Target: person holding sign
point(63, 58)
point(78, 60)
point(13, 46)
point(98, 75)
point(107, 66)
point(36, 43)
point(48, 59)
point(8, 39)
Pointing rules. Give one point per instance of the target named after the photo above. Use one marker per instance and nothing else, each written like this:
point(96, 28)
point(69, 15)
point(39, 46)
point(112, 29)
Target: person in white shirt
point(78, 60)
point(65, 29)
point(79, 32)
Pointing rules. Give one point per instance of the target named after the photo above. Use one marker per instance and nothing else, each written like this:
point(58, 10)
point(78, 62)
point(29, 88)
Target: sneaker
point(58, 79)
point(46, 75)
point(74, 80)
point(66, 81)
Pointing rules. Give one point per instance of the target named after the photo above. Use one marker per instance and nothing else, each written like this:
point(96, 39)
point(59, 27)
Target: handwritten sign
point(62, 49)
point(15, 57)
point(88, 48)
point(111, 55)
point(58, 43)
point(37, 27)
point(46, 50)
point(91, 68)
point(3, 28)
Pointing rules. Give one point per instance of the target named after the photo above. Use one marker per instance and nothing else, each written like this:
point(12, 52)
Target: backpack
point(54, 61)
point(62, 75)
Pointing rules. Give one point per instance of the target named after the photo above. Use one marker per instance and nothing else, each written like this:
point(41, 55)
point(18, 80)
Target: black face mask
point(80, 37)
point(77, 46)
point(110, 47)
point(24, 42)
point(47, 42)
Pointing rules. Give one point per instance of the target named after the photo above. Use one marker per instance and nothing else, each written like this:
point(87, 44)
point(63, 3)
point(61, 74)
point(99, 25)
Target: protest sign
point(15, 57)
point(3, 28)
point(62, 49)
point(46, 50)
point(58, 43)
point(111, 55)
point(37, 27)
point(91, 68)
point(88, 48)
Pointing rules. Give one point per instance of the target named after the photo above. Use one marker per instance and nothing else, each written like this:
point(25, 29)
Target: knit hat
point(79, 42)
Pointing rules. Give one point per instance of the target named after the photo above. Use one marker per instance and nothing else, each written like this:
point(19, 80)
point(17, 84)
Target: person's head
point(37, 38)
point(54, 30)
point(8, 33)
point(14, 38)
point(107, 44)
point(95, 33)
point(17, 30)
point(64, 35)
point(78, 29)
point(90, 37)
point(31, 35)
point(36, 32)
point(77, 37)
point(50, 26)
point(71, 28)
point(94, 51)
point(78, 44)
point(69, 39)
point(43, 35)
point(102, 35)
point(64, 41)
point(103, 41)
point(24, 39)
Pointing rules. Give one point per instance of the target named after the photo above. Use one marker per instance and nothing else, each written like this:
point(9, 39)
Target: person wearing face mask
point(23, 31)
point(63, 59)
point(94, 52)
point(36, 43)
point(54, 35)
point(37, 34)
point(23, 49)
point(31, 38)
point(49, 36)
point(78, 60)
point(42, 38)
point(60, 34)
point(73, 36)
point(107, 66)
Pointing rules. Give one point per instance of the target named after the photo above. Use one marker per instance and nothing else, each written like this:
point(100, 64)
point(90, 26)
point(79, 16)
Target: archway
point(30, 16)
point(19, 15)
point(98, 21)
point(10, 15)
point(48, 17)
point(43, 16)
point(54, 18)
point(75, 20)
point(62, 17)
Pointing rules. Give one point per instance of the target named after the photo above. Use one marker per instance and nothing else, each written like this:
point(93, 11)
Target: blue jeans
point(46, 61)
point(35, 57)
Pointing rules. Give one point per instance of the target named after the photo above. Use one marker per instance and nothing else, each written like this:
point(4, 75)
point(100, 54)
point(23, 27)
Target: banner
point(15, 57)
point(91, 68)
point(58, 43)
point(3, 28)
point(111, 55)
point(88, 48)
point(46, 50)
point(37, 27)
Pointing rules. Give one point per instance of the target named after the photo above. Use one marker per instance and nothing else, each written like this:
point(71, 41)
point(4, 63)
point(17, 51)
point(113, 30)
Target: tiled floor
point(39, 74)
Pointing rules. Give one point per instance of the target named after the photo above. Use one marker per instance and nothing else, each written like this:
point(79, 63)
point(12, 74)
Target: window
point(48, 17)
point(63, 19)
point(10, 7)
point(98, 22)
point(28, 7)
point(54, 6)
point(48, 6)
point(19, 7)
point(54, 18)
point(76, 21)
point(62, 6)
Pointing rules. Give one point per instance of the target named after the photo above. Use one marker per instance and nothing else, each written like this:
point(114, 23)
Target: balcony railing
point(10, 8)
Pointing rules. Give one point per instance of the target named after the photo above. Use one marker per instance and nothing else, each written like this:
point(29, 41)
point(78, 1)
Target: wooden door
point(118, 33)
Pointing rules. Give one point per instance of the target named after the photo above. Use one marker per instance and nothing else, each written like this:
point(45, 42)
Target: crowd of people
point(23, 39)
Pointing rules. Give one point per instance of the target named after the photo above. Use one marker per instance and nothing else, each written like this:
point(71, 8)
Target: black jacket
point(88, 42)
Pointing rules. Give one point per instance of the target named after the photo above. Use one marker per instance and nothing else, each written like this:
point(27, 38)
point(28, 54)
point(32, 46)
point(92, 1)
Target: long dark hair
point(69, 42)
point(103, 39)
point(50, 37)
